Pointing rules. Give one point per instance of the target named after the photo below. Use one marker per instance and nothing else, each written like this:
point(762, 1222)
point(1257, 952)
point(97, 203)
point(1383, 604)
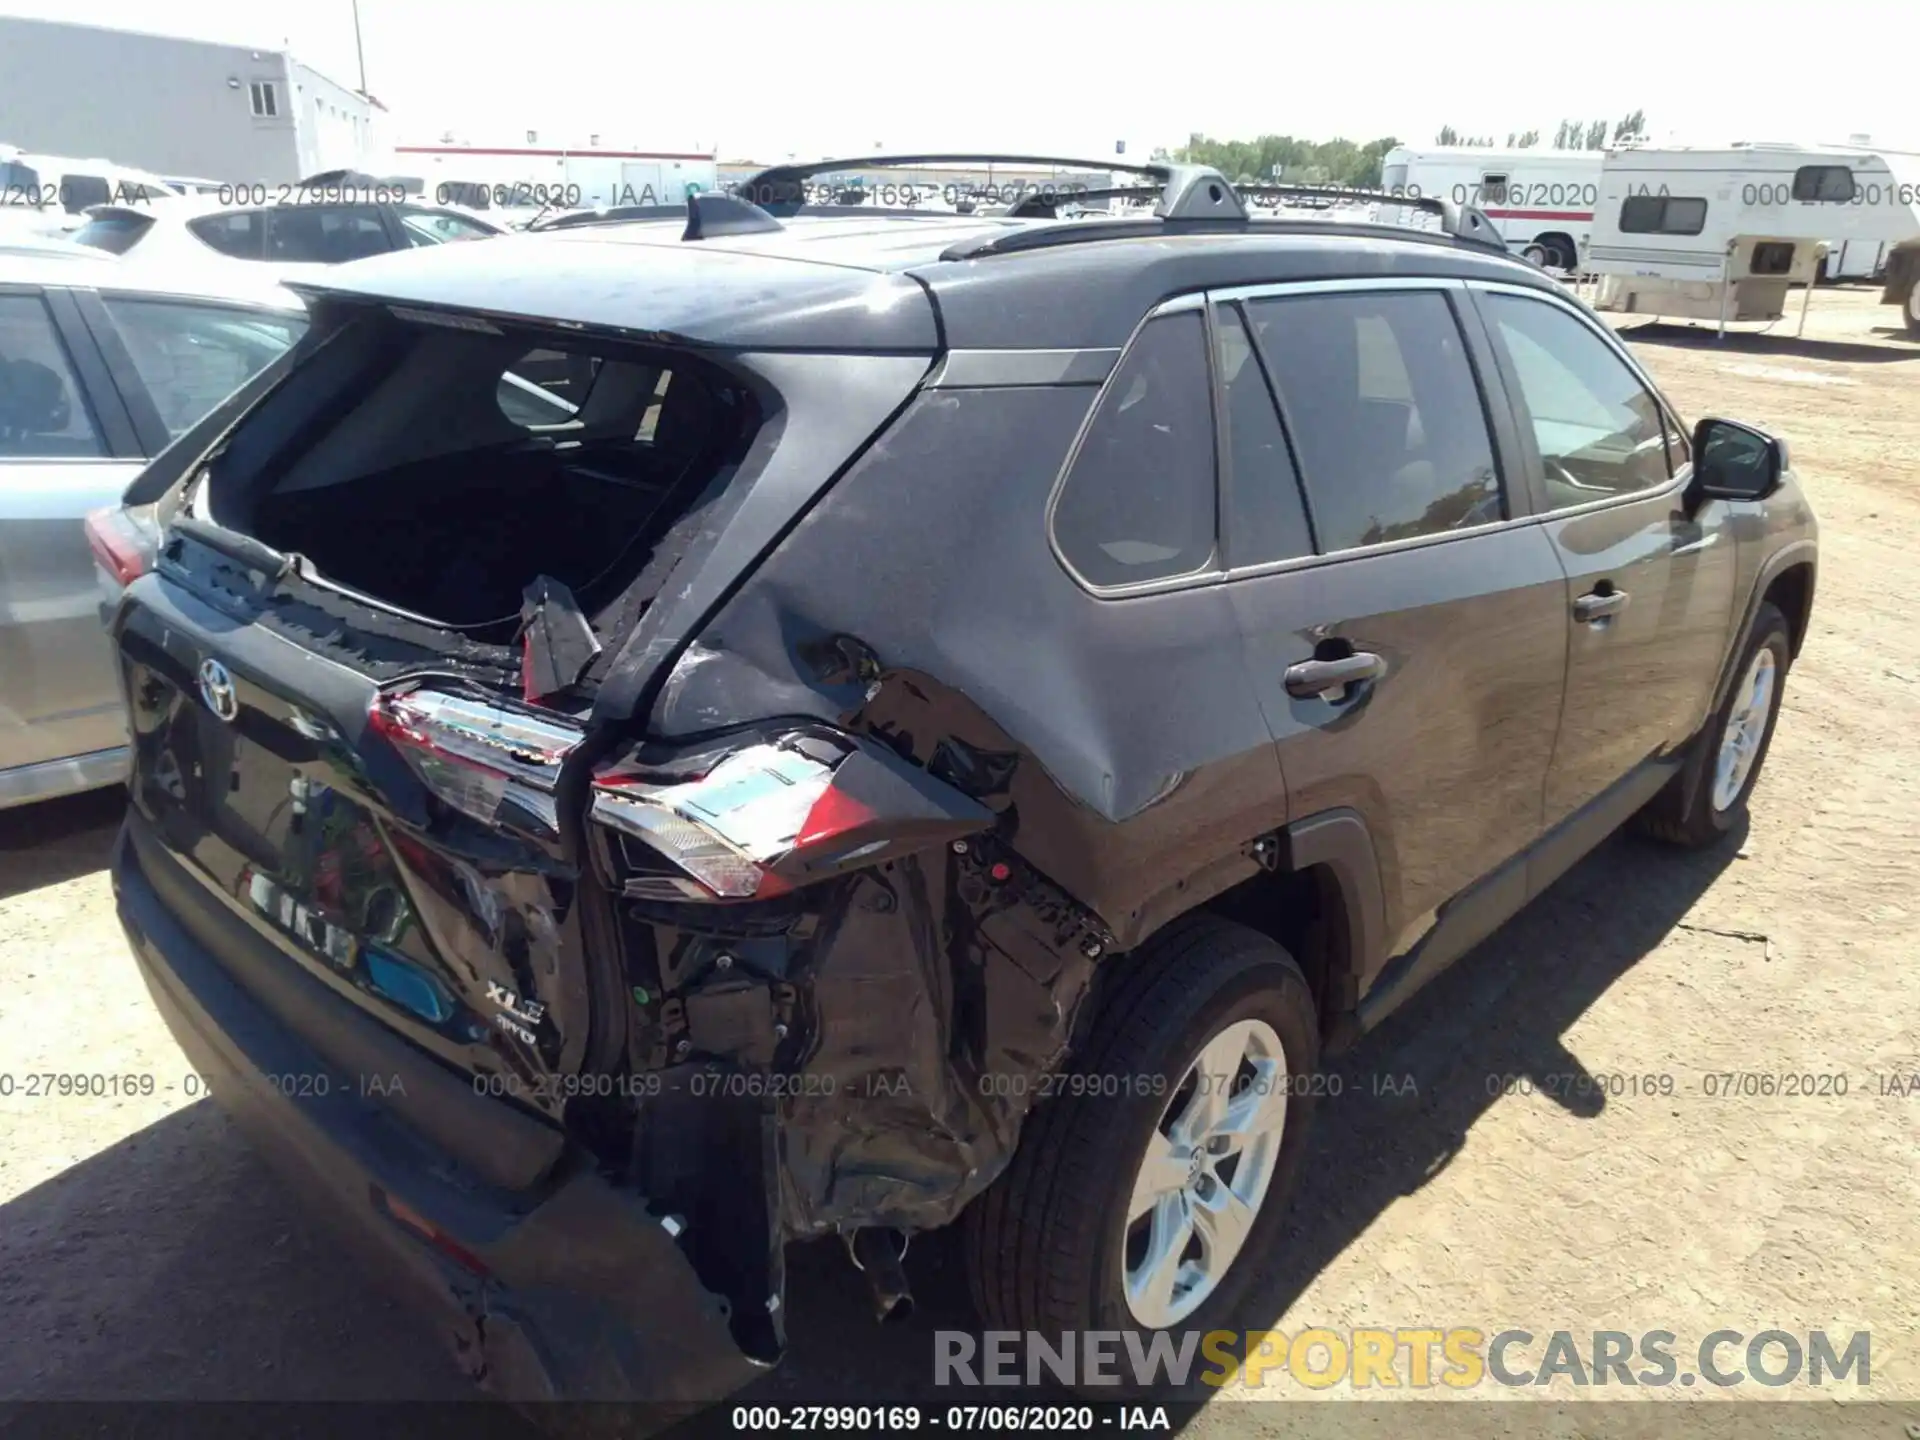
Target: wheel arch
point(1314, 887)
point(1787, 582)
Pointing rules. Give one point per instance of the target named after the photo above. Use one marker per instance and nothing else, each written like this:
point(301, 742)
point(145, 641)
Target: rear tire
point(1734, 745)
point(1064, 1239)
point(1539, 254)
point(1912, 310)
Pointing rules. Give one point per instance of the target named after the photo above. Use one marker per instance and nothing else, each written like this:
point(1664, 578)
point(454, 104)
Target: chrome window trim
point(1001, 369)
point(1212, 573)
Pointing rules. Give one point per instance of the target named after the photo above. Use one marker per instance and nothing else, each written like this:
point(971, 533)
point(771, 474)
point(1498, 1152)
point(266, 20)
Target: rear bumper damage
point(576, 1289)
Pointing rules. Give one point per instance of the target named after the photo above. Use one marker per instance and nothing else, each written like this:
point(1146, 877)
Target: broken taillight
point(488, 761)
point(119, 546)
point(777, 811)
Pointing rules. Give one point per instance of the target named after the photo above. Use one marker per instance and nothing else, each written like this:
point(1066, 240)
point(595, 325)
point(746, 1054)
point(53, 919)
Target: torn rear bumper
point(570, 1290)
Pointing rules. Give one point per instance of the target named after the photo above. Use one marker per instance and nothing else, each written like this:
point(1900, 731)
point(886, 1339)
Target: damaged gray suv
point(663, 739)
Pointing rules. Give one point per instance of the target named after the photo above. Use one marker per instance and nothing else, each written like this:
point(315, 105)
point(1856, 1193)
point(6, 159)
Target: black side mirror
point(1732, 461)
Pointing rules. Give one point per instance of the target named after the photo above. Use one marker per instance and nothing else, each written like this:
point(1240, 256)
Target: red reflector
point(419, 1224)
point(116, 544)
point(832, 814)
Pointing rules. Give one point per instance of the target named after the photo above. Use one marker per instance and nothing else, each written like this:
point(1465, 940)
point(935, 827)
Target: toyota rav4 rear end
point(573, 1026)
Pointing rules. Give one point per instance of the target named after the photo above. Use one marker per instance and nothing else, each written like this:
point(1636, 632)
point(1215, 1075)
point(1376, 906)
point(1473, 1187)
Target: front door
point(1649, 585)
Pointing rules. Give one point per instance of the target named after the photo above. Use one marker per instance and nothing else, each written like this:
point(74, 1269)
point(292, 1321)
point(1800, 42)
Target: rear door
point(66, 447)
point(1405, 619)
point(1650, 582)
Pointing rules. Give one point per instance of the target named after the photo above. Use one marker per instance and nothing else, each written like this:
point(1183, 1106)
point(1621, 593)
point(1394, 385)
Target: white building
point(226, 113)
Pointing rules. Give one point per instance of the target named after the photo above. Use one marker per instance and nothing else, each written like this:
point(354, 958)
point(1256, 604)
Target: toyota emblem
point(216, 688)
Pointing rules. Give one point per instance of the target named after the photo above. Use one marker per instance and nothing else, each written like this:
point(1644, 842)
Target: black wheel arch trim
point(1340, 841)
point(1800, 553)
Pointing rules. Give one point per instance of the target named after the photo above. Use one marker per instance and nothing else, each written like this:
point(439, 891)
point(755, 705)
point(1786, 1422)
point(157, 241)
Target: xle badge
point(517, 1017)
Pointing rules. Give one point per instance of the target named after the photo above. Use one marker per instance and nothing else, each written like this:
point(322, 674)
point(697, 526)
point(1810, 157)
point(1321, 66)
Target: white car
point(288, 238)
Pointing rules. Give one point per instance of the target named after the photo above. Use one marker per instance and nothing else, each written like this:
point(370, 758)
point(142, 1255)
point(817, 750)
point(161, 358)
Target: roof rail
point(1187, 198)
point(1047, 204)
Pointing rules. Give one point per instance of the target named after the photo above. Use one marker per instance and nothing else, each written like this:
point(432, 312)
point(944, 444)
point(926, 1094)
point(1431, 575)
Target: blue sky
point(760, 80)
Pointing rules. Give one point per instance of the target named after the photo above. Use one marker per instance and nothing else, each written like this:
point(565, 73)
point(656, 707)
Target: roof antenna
point(712, 213)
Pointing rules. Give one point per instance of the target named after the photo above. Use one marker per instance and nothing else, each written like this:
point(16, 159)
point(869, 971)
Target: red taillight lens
point(118, 544)
point(492, 762)
point(777, 812)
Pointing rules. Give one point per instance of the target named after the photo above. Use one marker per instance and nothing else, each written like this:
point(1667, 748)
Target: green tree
point(1323, 162)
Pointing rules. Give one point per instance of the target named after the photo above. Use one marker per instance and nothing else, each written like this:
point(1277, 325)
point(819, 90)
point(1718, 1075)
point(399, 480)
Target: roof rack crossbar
point(1462, 222)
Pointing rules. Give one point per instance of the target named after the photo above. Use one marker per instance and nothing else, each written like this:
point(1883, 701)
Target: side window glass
point(43, 415)
point(240, 234)
point(1138, 503)
point(1266, 519)
point(1599, 431)
point(1385, 414)
point(325, 235)
point(191, 357)
point(1832, 184)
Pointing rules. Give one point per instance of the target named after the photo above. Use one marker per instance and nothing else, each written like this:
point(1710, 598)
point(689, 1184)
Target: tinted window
point(1599, 430)
point(16, 178)
point(1138, 502)
point(191, 357)
point(77, 192)
point(115, 234)
point(1385, 415)
point(239, 233)
point(42, 412)
point(434, 227)
point(1823, 182)
point(1662, 215)
point(325, 234)
point(1266, 520)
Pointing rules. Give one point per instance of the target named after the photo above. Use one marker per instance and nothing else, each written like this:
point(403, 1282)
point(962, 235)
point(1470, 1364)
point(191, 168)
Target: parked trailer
point(1724, 234)
point(1541, 201)
point(1903, 283)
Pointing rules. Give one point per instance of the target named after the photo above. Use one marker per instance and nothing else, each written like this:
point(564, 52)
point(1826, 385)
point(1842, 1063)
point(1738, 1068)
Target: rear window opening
point(115, 232)
point(441, 471)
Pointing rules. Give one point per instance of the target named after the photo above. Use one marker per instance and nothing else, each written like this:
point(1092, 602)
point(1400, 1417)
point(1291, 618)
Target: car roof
point(845, 281)
point(128, 276)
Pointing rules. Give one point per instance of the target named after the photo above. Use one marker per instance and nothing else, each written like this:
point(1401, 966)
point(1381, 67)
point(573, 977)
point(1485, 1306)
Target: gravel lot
point(144, 1253)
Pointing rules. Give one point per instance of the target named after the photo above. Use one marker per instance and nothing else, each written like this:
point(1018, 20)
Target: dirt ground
point(145, 1253)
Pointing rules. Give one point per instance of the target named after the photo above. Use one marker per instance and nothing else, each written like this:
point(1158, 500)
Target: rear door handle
point(1315, 677)
point(1598, 605)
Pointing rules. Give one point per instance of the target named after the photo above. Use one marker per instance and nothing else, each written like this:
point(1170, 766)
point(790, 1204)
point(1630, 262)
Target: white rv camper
point(1865, 259)
point(1541, 201)
point(1723, 234)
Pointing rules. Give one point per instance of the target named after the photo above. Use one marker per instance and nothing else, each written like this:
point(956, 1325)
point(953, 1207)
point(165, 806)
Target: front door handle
point(1315, 677)
point(1598, 605)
